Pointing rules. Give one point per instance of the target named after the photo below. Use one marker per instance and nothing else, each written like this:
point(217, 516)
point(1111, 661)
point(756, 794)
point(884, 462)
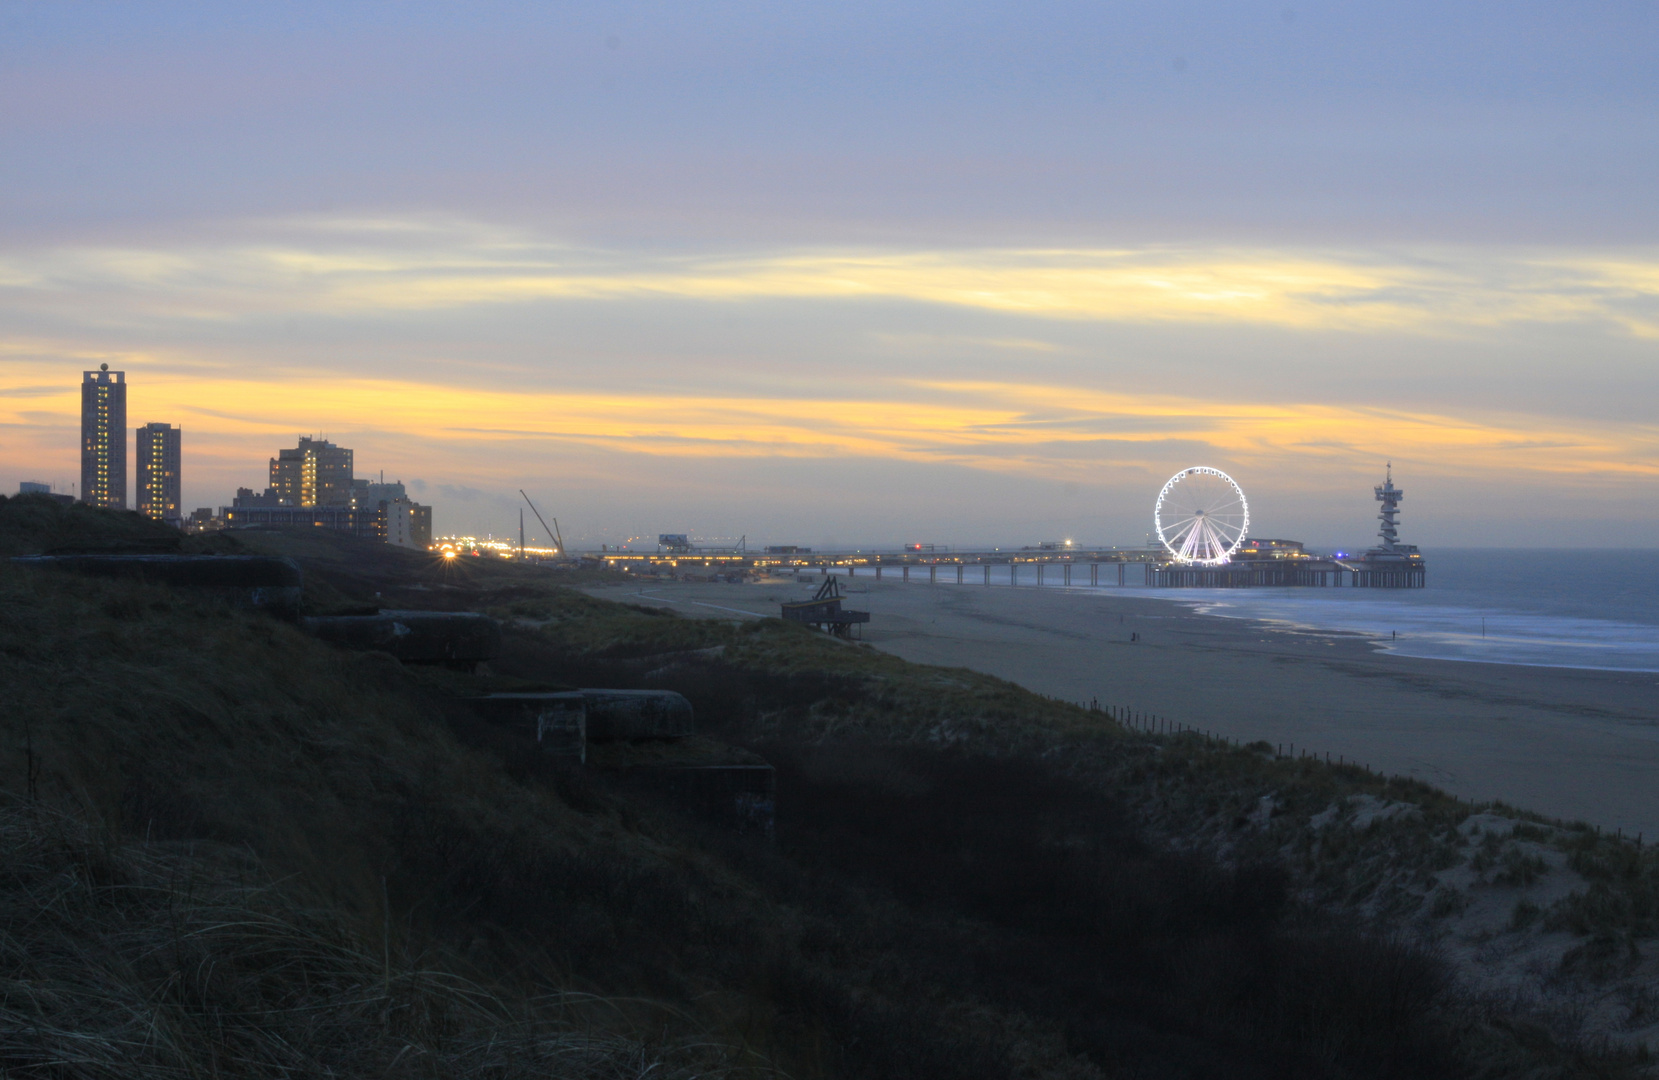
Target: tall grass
point(125, 959)
point(1169, 964)
point(967, 881)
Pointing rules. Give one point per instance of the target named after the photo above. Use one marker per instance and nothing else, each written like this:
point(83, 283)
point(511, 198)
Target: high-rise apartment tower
point(158, 473)
point(315, 473)
point(104, 438)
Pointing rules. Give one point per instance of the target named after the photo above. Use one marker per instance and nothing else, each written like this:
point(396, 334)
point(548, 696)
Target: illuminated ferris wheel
point(1201, 516)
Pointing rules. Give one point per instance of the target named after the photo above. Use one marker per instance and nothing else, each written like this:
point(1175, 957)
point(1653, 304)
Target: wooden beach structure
point(824, 611)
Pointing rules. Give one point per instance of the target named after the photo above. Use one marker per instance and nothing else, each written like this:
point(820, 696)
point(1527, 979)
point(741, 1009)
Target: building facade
point(104, 438)
point(338, 518)
point(408, 524)
point(401, 522)
point(314, 473)
point(420, 526)
point(312, 487)
point(159, 473)
point(369, 493)
point(203, 519)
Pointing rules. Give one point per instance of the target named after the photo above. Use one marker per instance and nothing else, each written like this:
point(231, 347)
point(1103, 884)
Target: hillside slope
point(231, 849)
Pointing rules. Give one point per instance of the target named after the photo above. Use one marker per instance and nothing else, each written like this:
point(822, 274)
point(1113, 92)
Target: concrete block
point(262, 581)
point(557, 720)
point(636, 714)
point(415, 637)
point(741, 796)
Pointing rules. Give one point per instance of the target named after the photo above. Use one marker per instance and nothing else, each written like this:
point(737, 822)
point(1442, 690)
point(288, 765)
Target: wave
point(1449, 632)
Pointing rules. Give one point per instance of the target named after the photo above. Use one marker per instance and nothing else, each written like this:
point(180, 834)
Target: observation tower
point(1390, 549)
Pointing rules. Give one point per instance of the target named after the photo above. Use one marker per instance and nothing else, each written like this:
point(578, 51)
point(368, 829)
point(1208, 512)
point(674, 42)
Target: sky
point(855, 274)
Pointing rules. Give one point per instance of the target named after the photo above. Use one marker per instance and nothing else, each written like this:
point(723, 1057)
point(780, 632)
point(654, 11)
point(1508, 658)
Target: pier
point(962, 566)
point(1227, 557)
point(1317, 573)
point(1072, 567)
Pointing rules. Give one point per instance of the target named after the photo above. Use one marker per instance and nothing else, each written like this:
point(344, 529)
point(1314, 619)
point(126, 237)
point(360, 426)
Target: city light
point(491, 545)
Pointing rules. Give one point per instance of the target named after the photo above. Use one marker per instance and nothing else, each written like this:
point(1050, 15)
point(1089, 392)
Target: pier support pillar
point(1121, 567)
point(1094, 573)
point(959, 569)
point(1013, 573)
point(933, 573)
point(907, 571)
point(987, 573)
point(1065, 573)
point(878, 571)
point(1040, 568)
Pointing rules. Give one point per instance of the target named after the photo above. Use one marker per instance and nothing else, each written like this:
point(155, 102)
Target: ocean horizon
point(1570, 608)
point(1540, 607)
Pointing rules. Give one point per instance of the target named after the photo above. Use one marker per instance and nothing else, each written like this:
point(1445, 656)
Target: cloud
point(462, 494)
point(356, 268)
point(1021, 428)
point(481, 358)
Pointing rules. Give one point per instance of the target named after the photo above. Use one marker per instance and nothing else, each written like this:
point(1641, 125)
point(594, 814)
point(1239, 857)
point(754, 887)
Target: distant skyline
point(948, 273)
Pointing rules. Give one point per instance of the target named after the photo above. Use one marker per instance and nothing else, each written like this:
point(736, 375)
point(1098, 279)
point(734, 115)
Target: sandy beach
point(1569, 743)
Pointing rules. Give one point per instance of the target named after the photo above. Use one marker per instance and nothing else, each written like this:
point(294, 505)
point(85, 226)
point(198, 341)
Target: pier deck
point(1041, 567)
point(1317, 573)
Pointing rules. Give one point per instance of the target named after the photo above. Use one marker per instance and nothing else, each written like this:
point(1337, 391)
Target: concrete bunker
point(557, 720)
point(647, 741)
point(270, 582)
point(456, 638)
point(616, 715)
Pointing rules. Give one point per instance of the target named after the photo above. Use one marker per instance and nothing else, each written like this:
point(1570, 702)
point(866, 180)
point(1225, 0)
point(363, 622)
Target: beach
point(1569, 743)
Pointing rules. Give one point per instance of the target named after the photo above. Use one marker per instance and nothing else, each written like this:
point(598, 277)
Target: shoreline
point(1382, 646)
point(1570, 743)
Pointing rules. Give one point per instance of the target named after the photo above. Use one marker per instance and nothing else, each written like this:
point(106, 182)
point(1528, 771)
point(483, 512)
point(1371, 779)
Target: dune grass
point(126, 958)
point(307, 857)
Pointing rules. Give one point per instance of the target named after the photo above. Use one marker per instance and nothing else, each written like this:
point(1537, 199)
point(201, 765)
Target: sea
point(1575, 609)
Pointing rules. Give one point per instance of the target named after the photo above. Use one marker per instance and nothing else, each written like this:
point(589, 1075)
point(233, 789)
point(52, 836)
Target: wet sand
point(1573, 744)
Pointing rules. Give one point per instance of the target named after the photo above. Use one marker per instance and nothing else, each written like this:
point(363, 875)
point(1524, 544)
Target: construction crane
point(554, 531)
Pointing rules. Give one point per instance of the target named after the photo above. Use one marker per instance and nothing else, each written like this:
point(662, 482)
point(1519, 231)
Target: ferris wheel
point(1201, 516)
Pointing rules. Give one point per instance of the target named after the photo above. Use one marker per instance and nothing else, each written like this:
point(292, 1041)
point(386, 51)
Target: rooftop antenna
point(554, 530)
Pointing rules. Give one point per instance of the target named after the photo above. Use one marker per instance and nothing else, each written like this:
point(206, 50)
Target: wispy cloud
point(362, 268)
point(1022, 428)
point(1019, 364)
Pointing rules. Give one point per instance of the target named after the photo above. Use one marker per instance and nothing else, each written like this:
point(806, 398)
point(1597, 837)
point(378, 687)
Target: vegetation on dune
point(127, 958)
point(32, 524)
point(226, 849)
point(1388, 852)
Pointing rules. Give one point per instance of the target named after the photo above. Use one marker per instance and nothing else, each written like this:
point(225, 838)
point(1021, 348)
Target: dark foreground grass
point(231, 850)
point(1158, 963)
point(123, 959)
